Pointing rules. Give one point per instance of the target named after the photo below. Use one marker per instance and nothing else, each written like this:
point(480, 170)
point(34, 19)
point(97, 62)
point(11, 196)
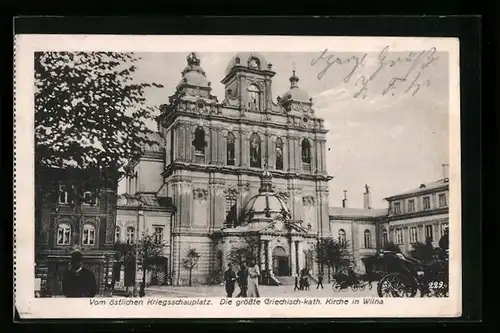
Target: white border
point(30, 307)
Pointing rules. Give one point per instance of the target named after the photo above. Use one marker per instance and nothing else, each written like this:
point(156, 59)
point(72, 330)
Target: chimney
point(445, 171)
point(366, 198)
point(344, 201)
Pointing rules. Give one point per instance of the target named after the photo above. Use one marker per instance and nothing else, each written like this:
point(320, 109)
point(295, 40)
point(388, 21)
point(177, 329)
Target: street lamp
point(139, 214)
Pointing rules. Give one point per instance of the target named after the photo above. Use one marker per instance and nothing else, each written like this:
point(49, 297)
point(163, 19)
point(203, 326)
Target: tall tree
point(149, 249)
point(190, 262)
point(246, 249)
point(90, 118)
point(332, 253)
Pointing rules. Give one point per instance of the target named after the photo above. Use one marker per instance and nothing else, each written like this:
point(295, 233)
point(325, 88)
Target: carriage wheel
point(396, 285)
point(336, 286)
point(362, 287)
point(354, 287)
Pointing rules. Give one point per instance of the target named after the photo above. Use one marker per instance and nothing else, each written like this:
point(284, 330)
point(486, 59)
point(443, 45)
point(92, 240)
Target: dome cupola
point(193, 74)
point(295, 93)
point(267, 205)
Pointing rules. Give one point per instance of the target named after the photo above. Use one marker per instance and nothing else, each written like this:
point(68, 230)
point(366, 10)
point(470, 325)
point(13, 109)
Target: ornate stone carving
point(200, 194)
point(244, 187)
point(232, 192)
point(282, 193)
point(308, 201)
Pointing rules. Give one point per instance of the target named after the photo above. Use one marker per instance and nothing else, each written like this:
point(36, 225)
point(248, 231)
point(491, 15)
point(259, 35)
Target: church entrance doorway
point(281, 266)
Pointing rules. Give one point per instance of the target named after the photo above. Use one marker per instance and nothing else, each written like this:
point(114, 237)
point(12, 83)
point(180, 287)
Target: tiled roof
point(423, 188)
point(356, 212)
point(158, 144)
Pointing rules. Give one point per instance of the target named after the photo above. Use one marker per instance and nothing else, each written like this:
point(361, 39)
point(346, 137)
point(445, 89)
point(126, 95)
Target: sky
point(392, 142)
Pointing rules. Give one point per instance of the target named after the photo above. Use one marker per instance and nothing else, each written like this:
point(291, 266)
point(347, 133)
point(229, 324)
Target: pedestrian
point(78, 281)
point(296, 276)
point(230, 280)
point(243, 280)
point(320, 281)
point(253, 279)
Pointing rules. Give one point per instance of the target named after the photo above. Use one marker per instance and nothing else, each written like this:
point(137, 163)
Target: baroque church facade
point(249, 165)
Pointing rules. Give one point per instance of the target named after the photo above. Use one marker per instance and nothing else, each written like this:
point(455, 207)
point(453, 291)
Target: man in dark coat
point(229, 280)
point(79, 281)
point(243, 280)
point(320, 281)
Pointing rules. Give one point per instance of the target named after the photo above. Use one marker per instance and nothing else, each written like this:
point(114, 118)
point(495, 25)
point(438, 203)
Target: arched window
point(385, 238)
point(230, 149)
point(63, 234)
point(255, 158)
point(130, 235)
point(88, 237)
point(342, 237)
point(279, 154)
point(306, 151)
point(199, 142)
point(368, 239)
point(253, 97)
point(118, 234)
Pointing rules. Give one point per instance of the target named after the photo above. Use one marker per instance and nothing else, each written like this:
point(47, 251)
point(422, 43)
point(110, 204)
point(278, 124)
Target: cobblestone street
point(265, 291)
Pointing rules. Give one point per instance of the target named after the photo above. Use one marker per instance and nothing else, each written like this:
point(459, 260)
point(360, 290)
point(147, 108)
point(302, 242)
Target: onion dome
point(295, 93)
point(193, 74)
point(266, 205)
point(250, 60)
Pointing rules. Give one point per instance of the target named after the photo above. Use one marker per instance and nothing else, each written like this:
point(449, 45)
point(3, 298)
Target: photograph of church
point(252, 170)
point(253, 165)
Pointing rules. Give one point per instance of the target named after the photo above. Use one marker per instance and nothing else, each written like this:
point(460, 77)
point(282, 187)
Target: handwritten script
point(412, 64)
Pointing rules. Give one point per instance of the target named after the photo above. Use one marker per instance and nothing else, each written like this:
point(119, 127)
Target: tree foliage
point(423, 251)
point(149, 250)
point(191, 261)
point(90, 114)
point(246, 249)
point(332, 253)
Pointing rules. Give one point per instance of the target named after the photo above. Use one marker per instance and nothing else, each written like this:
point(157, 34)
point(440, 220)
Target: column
point(301, 256)
point(293, 250)
point(269, 257)
point(286, 166)
point(187, 153)
point(213, 145)
point(221, 147)
point(270, 151)
point(262, 255)
point(219, 206)
point(185, 204)
point(244, 149)
point(323, 157)
point(298, 155)
point(175, 143)
point(237, 148)
point(291, 160)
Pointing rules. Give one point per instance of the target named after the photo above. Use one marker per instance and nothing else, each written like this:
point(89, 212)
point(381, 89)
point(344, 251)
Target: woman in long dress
point(253, 280)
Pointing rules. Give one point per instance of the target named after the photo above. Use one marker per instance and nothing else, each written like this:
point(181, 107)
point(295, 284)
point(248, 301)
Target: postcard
point(237, 177)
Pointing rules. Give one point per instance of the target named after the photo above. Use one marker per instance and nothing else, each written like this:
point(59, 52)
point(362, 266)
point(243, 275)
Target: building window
point(444, 226)
point(230, 210)
point(130, 235)
point(413, 235)
point(411, 205)
point(255, 158)
point(118, 234)
point(399, 236)
point(342, 237)
point(63, 195)
point(89, 199)
point(385, 238)
point(63, 234)
point(199, 142)
point(442, 200)
point(253, 97)
point(230, 149)
point(427, 202)
point(88, 237)
point(368, 239)
point(429, 234)
point(397, 208)
point(158, 235)
point(306, 151)
point(279, 154)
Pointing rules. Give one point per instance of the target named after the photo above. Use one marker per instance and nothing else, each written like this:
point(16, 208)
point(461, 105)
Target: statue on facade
point(255, 151)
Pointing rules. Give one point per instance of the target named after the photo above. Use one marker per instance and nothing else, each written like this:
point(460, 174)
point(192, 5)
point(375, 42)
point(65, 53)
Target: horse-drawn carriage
point(343, 281)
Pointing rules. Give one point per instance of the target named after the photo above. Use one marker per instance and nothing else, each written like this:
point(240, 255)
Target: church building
point(249, 166)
